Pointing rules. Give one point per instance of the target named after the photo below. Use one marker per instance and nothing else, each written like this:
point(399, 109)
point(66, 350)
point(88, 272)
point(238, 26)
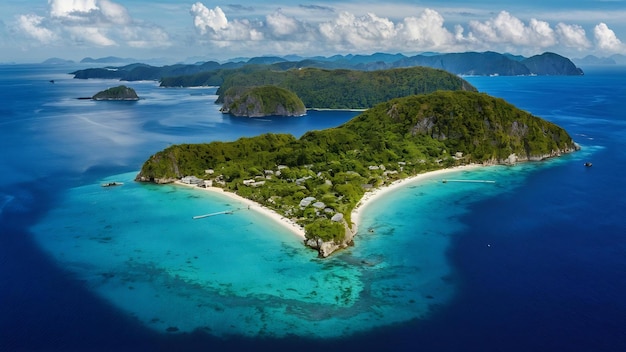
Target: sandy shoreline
point(371, 196)
point(252, 205)
point(368, 198)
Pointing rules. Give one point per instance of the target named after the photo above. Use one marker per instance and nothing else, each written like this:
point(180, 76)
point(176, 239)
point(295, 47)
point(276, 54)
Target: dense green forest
point(262, 101)
point(335, 167)
point(348, 89)
point(330, 89)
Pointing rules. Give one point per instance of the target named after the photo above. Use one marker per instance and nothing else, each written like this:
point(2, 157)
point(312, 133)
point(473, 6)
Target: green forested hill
point(348, 89)
point(262, 101)
point(393, 140)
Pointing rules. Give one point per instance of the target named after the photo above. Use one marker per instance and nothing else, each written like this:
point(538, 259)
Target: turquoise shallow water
point(138, 247)
point(535, 262)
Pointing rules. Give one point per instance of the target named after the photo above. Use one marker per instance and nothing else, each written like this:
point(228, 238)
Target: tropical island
point(117, 93)
point(262, 101)
point(317, 180)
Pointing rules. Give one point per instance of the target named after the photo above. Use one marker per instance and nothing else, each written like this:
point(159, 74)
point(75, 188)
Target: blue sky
point(34, 30)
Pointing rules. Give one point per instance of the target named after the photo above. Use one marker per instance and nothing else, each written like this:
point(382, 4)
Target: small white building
point(305, 202)
point(337, 217)
point(191, 180)
point(319, 205)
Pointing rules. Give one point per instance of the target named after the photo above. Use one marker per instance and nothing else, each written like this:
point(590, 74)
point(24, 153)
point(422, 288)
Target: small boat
point(588, 164)
point(112, 184)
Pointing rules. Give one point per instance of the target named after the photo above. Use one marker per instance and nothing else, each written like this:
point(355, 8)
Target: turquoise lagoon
point(138, 247)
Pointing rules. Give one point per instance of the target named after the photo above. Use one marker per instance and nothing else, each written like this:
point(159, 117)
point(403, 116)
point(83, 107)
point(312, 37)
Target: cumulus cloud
point(205, 19)
point(510, 30)
point(606, 38)
point(311, 29)
point(114, 13)
point(71, 8)
point(428, 30)
point(99, 23)
point(572, 36)
point(281, 25)
point(214, 24)
point(352, 31)
point(32, 25)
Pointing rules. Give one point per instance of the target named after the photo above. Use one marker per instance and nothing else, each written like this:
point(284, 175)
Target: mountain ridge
point(467, 63)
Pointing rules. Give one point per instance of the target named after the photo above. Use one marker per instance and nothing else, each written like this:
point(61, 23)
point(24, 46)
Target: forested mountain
point(347, 89)
point(393, 140)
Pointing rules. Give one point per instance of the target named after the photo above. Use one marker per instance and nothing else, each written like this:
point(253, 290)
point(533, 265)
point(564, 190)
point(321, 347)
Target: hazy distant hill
point(57, 61)
point(469, 63)
point(616, 59)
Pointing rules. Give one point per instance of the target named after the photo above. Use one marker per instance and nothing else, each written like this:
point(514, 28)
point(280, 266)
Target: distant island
point(317, 180)
point(212, 73)
point(615, 59)
point(262, 101)
point(116, 93)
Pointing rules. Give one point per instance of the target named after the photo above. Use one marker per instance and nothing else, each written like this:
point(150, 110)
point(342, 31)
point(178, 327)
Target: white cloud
point(32, 26)
point(71, 8)
point(99, 23)
point(89, 35)
point(282, 25)
point(351, 31)
point(346, 27)
point(214, 25)
point(510, 30)
point(428, 31)
point(606, 38)
point(114, 13)
point(572, 36)
point(286, 29)
point(205, 19)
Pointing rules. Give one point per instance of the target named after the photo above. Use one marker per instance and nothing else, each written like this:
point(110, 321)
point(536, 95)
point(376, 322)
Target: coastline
point(369, 197)
point(252, 205)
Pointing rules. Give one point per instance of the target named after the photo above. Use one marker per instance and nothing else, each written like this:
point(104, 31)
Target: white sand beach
point(367, 199)
point(252, 205)
point(371, 196)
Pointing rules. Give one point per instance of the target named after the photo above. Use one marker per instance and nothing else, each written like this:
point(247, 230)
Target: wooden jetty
point(217, 213)
point(468, 181)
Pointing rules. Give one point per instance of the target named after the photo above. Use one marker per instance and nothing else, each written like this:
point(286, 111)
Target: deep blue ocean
point(535, 262)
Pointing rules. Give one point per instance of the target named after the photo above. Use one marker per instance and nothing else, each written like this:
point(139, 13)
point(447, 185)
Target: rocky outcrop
point(514, 158)
point(158, 181)
point(326, 248)
point(117, 93)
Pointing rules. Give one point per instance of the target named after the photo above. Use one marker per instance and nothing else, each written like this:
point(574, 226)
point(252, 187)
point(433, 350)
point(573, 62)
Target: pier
point(468, 181)
point(218, 213)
